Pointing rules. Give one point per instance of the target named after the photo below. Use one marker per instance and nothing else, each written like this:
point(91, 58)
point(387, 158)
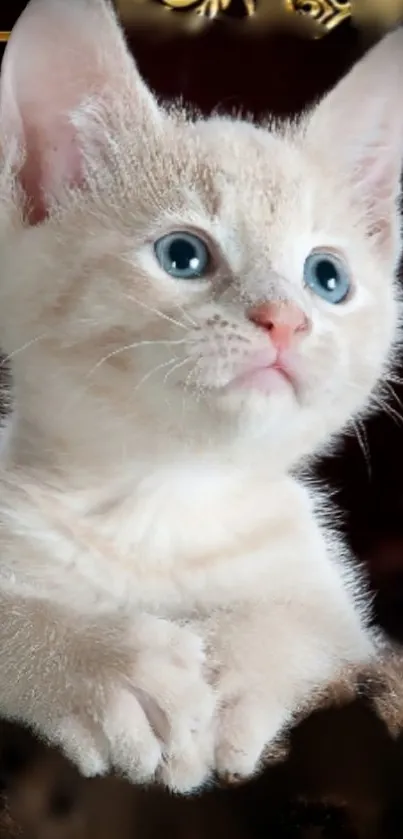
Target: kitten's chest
point(166, 550)
point(195, 549)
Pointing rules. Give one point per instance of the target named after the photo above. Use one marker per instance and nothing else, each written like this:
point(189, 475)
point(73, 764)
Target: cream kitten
point(191, 307)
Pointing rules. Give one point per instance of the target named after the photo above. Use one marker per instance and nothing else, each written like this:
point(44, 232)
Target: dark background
point(343, 763)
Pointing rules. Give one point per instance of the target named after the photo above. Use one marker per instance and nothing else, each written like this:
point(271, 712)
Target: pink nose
point(282, 319)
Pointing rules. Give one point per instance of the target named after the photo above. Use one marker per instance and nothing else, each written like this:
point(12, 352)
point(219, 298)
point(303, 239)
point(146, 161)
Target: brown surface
point(344, 758)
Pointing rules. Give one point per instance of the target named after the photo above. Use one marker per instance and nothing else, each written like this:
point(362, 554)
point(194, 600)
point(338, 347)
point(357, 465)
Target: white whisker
point(395, 379)
point(157, 312)
point(186, 386)
point(189, 377)
point(21, 349)
point(387, 409)
point(186, 315)
point(361, 435)
point(176, 367)
point(128, 347)
point(389, 387)
point(151, 373)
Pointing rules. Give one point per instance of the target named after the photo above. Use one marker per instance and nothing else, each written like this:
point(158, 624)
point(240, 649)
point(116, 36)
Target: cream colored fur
point(170, 594)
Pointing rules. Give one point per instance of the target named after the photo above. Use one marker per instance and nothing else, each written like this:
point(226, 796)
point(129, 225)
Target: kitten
point(192, 308)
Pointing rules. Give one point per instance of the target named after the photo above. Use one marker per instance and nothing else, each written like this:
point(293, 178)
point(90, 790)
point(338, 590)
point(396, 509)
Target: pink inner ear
point(377, 180)
point(35, 210)
point(42, 81)
point(48, 167)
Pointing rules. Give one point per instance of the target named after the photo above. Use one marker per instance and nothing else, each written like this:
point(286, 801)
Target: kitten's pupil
point(327, 274)
point(182, 255)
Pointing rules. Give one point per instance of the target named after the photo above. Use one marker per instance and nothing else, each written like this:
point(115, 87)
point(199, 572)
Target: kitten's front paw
point(180, 704)
point(150, 715)
point(247, 730)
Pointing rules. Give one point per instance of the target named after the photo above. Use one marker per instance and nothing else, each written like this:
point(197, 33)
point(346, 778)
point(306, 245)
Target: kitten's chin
point(265, 391)
point(266, 408)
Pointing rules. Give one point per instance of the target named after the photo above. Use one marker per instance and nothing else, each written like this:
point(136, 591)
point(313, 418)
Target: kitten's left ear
point(359, 125)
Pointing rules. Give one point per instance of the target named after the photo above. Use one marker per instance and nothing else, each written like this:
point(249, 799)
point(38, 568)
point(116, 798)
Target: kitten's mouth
point(268, 378)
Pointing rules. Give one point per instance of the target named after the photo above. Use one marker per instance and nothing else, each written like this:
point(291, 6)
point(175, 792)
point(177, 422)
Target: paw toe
point(245, 732)
point(135, 750)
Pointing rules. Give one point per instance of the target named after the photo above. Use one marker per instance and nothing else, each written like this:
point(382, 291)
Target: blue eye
point(327, 276)
point(182, 255)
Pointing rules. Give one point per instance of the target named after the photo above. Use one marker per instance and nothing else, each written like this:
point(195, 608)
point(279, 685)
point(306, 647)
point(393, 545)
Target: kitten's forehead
point(253, 189)
point(254, 160)
point(230, 142)
point(241, 173)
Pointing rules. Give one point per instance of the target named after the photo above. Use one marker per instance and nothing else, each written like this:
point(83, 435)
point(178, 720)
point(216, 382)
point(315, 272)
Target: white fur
point(170, 594)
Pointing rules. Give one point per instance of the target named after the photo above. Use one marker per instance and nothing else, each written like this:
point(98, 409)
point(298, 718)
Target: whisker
point(387, 384)
point(176, 367)
point(192, 374)
point(157, 312)
point(361, 435)
point(186, 315)
point(132, 346)
point(151, 373)
point(186, 387)
point(388, 410)
point(21, 349)
point(395, 379)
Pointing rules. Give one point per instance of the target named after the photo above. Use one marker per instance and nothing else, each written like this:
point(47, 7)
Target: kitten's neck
point(107, 465)
point(82, 437)
point(159, 486)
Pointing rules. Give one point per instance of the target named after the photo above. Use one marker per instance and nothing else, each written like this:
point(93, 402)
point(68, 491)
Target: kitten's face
point(249, 293)
point(231, 279)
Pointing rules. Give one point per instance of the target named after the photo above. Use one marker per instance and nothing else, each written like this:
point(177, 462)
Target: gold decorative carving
point(317, 17)
point(210, 8)
point(326, 13)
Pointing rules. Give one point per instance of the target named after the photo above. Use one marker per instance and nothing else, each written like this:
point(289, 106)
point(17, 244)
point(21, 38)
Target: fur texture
point(170, 594)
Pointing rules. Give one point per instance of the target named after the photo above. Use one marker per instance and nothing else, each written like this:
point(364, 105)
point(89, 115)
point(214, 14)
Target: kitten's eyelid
point(331, 250)
point(178, 228)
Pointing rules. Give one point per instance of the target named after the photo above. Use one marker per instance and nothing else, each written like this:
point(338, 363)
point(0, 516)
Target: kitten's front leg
point(114, 691)
point(269, 659)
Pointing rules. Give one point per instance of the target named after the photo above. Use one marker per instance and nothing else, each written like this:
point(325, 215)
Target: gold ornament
point(210, 8)
point(326, 13)
point(315, 17)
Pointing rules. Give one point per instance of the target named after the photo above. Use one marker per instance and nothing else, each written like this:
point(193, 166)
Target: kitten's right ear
point(359, 126)
point(61, 55)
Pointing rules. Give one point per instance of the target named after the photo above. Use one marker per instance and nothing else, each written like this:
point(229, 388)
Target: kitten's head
point(207, 278)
